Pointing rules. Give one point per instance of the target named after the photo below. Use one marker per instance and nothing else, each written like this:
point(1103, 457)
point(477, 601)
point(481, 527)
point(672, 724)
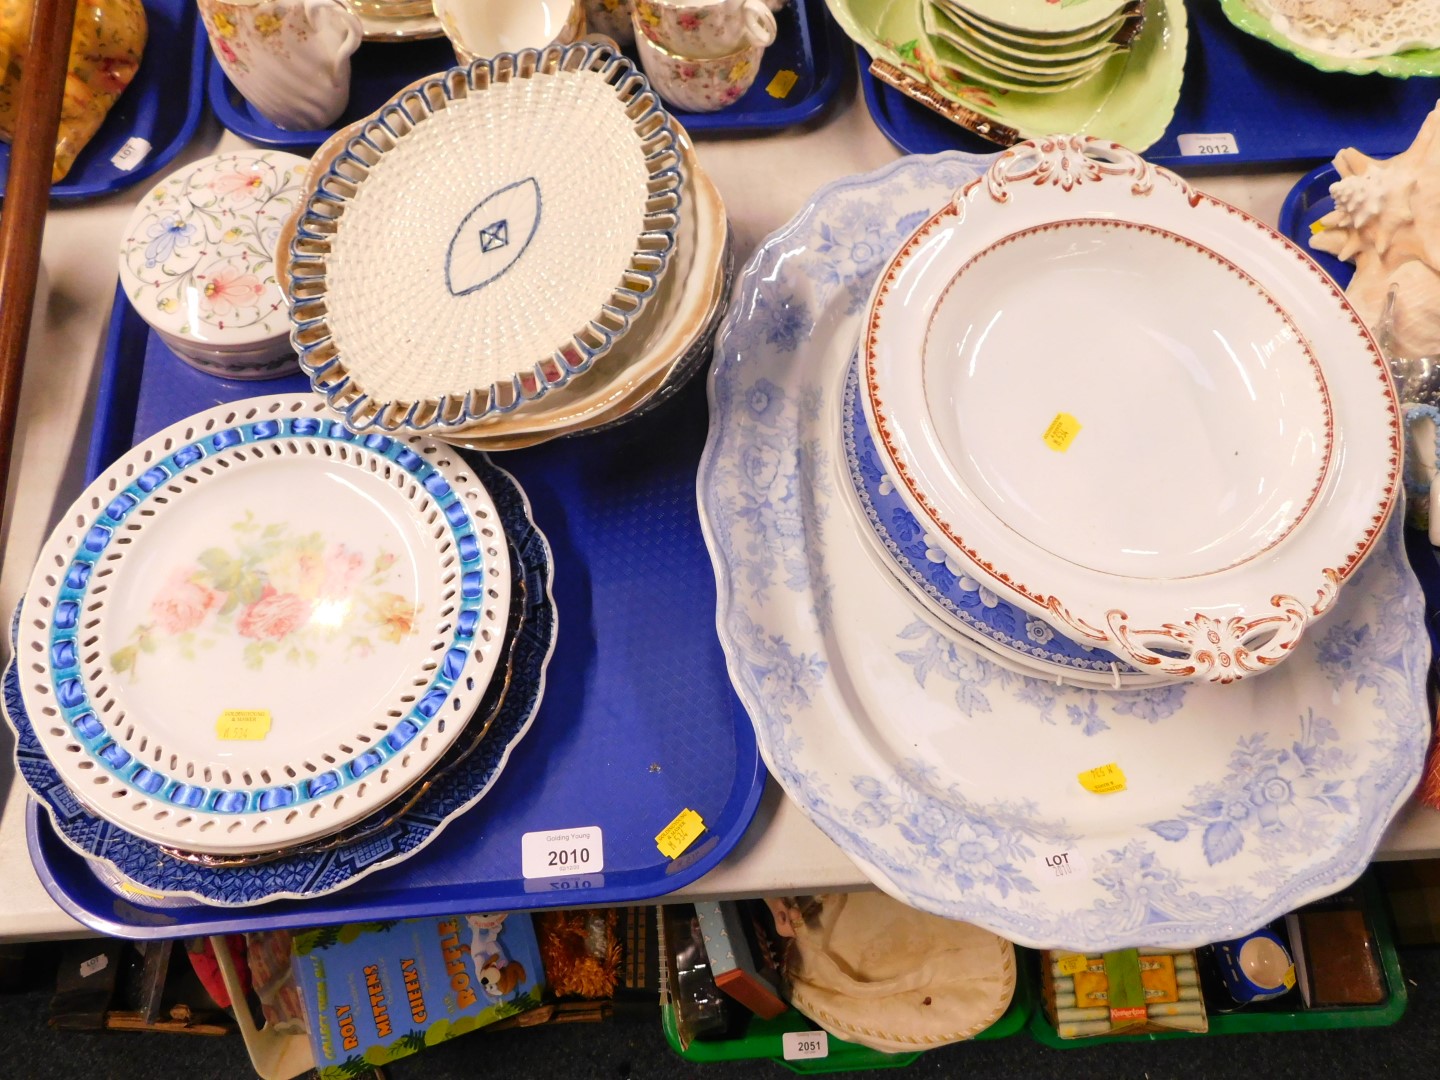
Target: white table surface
point(765, 181)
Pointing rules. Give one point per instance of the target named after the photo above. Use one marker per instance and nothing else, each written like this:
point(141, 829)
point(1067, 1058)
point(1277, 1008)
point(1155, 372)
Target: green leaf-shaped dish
point(1403, 65)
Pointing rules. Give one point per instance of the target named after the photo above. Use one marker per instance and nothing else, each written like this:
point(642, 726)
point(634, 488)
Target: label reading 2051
point(562, 852)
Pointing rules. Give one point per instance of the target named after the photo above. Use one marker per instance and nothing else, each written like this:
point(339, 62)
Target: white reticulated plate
point(950, 780)
point(257, 626)
point(483, 238)
point(1078, 316)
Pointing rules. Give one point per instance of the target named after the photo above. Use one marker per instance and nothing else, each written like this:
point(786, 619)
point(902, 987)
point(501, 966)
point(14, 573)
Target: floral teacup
point(705, 28)
point(288, 58)
point(489, 27)
point(706, 84)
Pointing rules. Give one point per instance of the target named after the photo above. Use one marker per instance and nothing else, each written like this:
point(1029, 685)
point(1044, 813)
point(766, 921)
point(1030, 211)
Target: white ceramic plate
point(1079, 316)
point(257, 627)
point(947, 779)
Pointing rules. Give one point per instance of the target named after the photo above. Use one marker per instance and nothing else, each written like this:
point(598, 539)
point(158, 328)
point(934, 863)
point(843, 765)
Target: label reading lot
point(805, 1045)
point(1208, 145)
point(562, 852)
point(131, 154)
point(1058, 868)
point(243, 725)
point(1061, 432)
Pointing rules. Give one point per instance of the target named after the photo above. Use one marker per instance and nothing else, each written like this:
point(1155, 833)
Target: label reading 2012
point(1213, 145)
point(562, 852)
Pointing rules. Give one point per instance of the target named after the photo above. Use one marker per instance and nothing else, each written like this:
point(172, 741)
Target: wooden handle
point(27, 194)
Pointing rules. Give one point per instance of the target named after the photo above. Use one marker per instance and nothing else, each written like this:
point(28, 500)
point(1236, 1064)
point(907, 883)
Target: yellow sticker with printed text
point(683, 831)
point(1072, 964)
point(1061, 432)
point(243, 725)
point(1103, 779)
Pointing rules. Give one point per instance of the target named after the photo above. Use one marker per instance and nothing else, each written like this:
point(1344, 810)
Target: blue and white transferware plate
point(483, 238)
point(137, 866)
point(1017, 639)
point(950, 780)
point(258, 627)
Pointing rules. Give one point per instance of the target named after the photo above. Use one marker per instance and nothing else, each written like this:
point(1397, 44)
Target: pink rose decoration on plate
point(274, 615)
point(183, 603)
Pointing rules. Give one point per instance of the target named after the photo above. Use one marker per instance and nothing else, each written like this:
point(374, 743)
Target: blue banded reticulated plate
point(257, 627)
point(145, 873)
point(952, 782)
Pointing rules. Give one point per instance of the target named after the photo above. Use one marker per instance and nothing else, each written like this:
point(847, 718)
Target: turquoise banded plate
point(258, 627)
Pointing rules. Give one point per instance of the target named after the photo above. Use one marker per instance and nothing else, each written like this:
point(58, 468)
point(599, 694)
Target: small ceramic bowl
point(197, 262)
point(698, 85)
point(484, 28)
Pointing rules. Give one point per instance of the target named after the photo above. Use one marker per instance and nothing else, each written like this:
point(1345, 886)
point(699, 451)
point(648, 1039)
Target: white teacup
point(484, 28)
point(701, 29)
point(288, 58)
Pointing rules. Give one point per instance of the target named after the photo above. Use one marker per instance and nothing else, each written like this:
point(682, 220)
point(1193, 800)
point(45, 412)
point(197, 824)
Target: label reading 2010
point(562, 852)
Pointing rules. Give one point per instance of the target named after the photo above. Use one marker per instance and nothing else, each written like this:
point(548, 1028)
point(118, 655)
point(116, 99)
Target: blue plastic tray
point(638, 721)
point(809, 44)
point(1309, 201)
point(1278, 108)
point(162, 106)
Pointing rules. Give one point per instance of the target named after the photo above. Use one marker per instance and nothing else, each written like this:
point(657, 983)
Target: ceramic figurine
point(288, 58)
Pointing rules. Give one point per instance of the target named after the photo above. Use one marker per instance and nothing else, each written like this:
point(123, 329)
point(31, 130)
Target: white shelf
point(765, 182)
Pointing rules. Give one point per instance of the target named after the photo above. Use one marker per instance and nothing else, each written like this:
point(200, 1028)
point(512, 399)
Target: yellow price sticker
point(1072, 964)
point(1103, 779)
point(781, 85)
point(1289, 979)
point(680, 833)
point(1061, 432)
point(1316, 228)
point(243, 725)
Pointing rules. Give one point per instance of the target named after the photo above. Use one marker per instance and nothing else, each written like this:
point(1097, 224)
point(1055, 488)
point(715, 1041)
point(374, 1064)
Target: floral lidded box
point(198, 262)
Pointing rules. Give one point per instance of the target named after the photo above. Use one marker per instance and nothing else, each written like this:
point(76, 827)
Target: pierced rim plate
point(257, 627)
point(947, 779)
point(413, 245)
point(1271, 399)
point(135, 866)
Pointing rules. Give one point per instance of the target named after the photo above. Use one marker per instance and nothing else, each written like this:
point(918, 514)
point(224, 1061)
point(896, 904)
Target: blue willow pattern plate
point(950, 780)
point(128, 860)
point(914, 554)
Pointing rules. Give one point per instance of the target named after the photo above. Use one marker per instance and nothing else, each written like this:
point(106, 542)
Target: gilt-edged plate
point(257, 627)
point(1131, 99)
point(1079, 317)
point(952, 782)
point(137, 867)
point(483, 238)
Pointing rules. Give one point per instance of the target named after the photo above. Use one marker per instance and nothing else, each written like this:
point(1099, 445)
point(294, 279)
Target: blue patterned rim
point(926, 567)
point(67, 678)
point(458, 785)
point(306, 276)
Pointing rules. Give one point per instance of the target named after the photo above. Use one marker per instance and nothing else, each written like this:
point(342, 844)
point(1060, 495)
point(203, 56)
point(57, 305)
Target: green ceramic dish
point(1416, 63)
point(1129, 101)
point(945, 33)
point(1088, 37)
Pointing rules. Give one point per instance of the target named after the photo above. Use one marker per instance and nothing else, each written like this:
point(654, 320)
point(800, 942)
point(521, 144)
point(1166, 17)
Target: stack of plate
point(507, 252)
point(1008, 559)
point(1026, 47)
point(262, 656)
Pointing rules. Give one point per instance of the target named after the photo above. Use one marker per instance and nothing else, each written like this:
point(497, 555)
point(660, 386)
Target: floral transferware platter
point(1276, 392)
point(258, 627)
point(140, 868)
point(414, 245)
point(1130, 100)
point(950, 780)
point(198, 261)
point(1412, 63)
point(1012, 637)
point(1043, 16)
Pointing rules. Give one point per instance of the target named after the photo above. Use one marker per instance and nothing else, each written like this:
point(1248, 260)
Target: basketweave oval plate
point(483, 238)
point(257, 626)
point(148, 873)
point(1199, 353)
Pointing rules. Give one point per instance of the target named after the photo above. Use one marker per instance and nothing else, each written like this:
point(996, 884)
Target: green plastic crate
point(763, 1039)
point(1243, 1023)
